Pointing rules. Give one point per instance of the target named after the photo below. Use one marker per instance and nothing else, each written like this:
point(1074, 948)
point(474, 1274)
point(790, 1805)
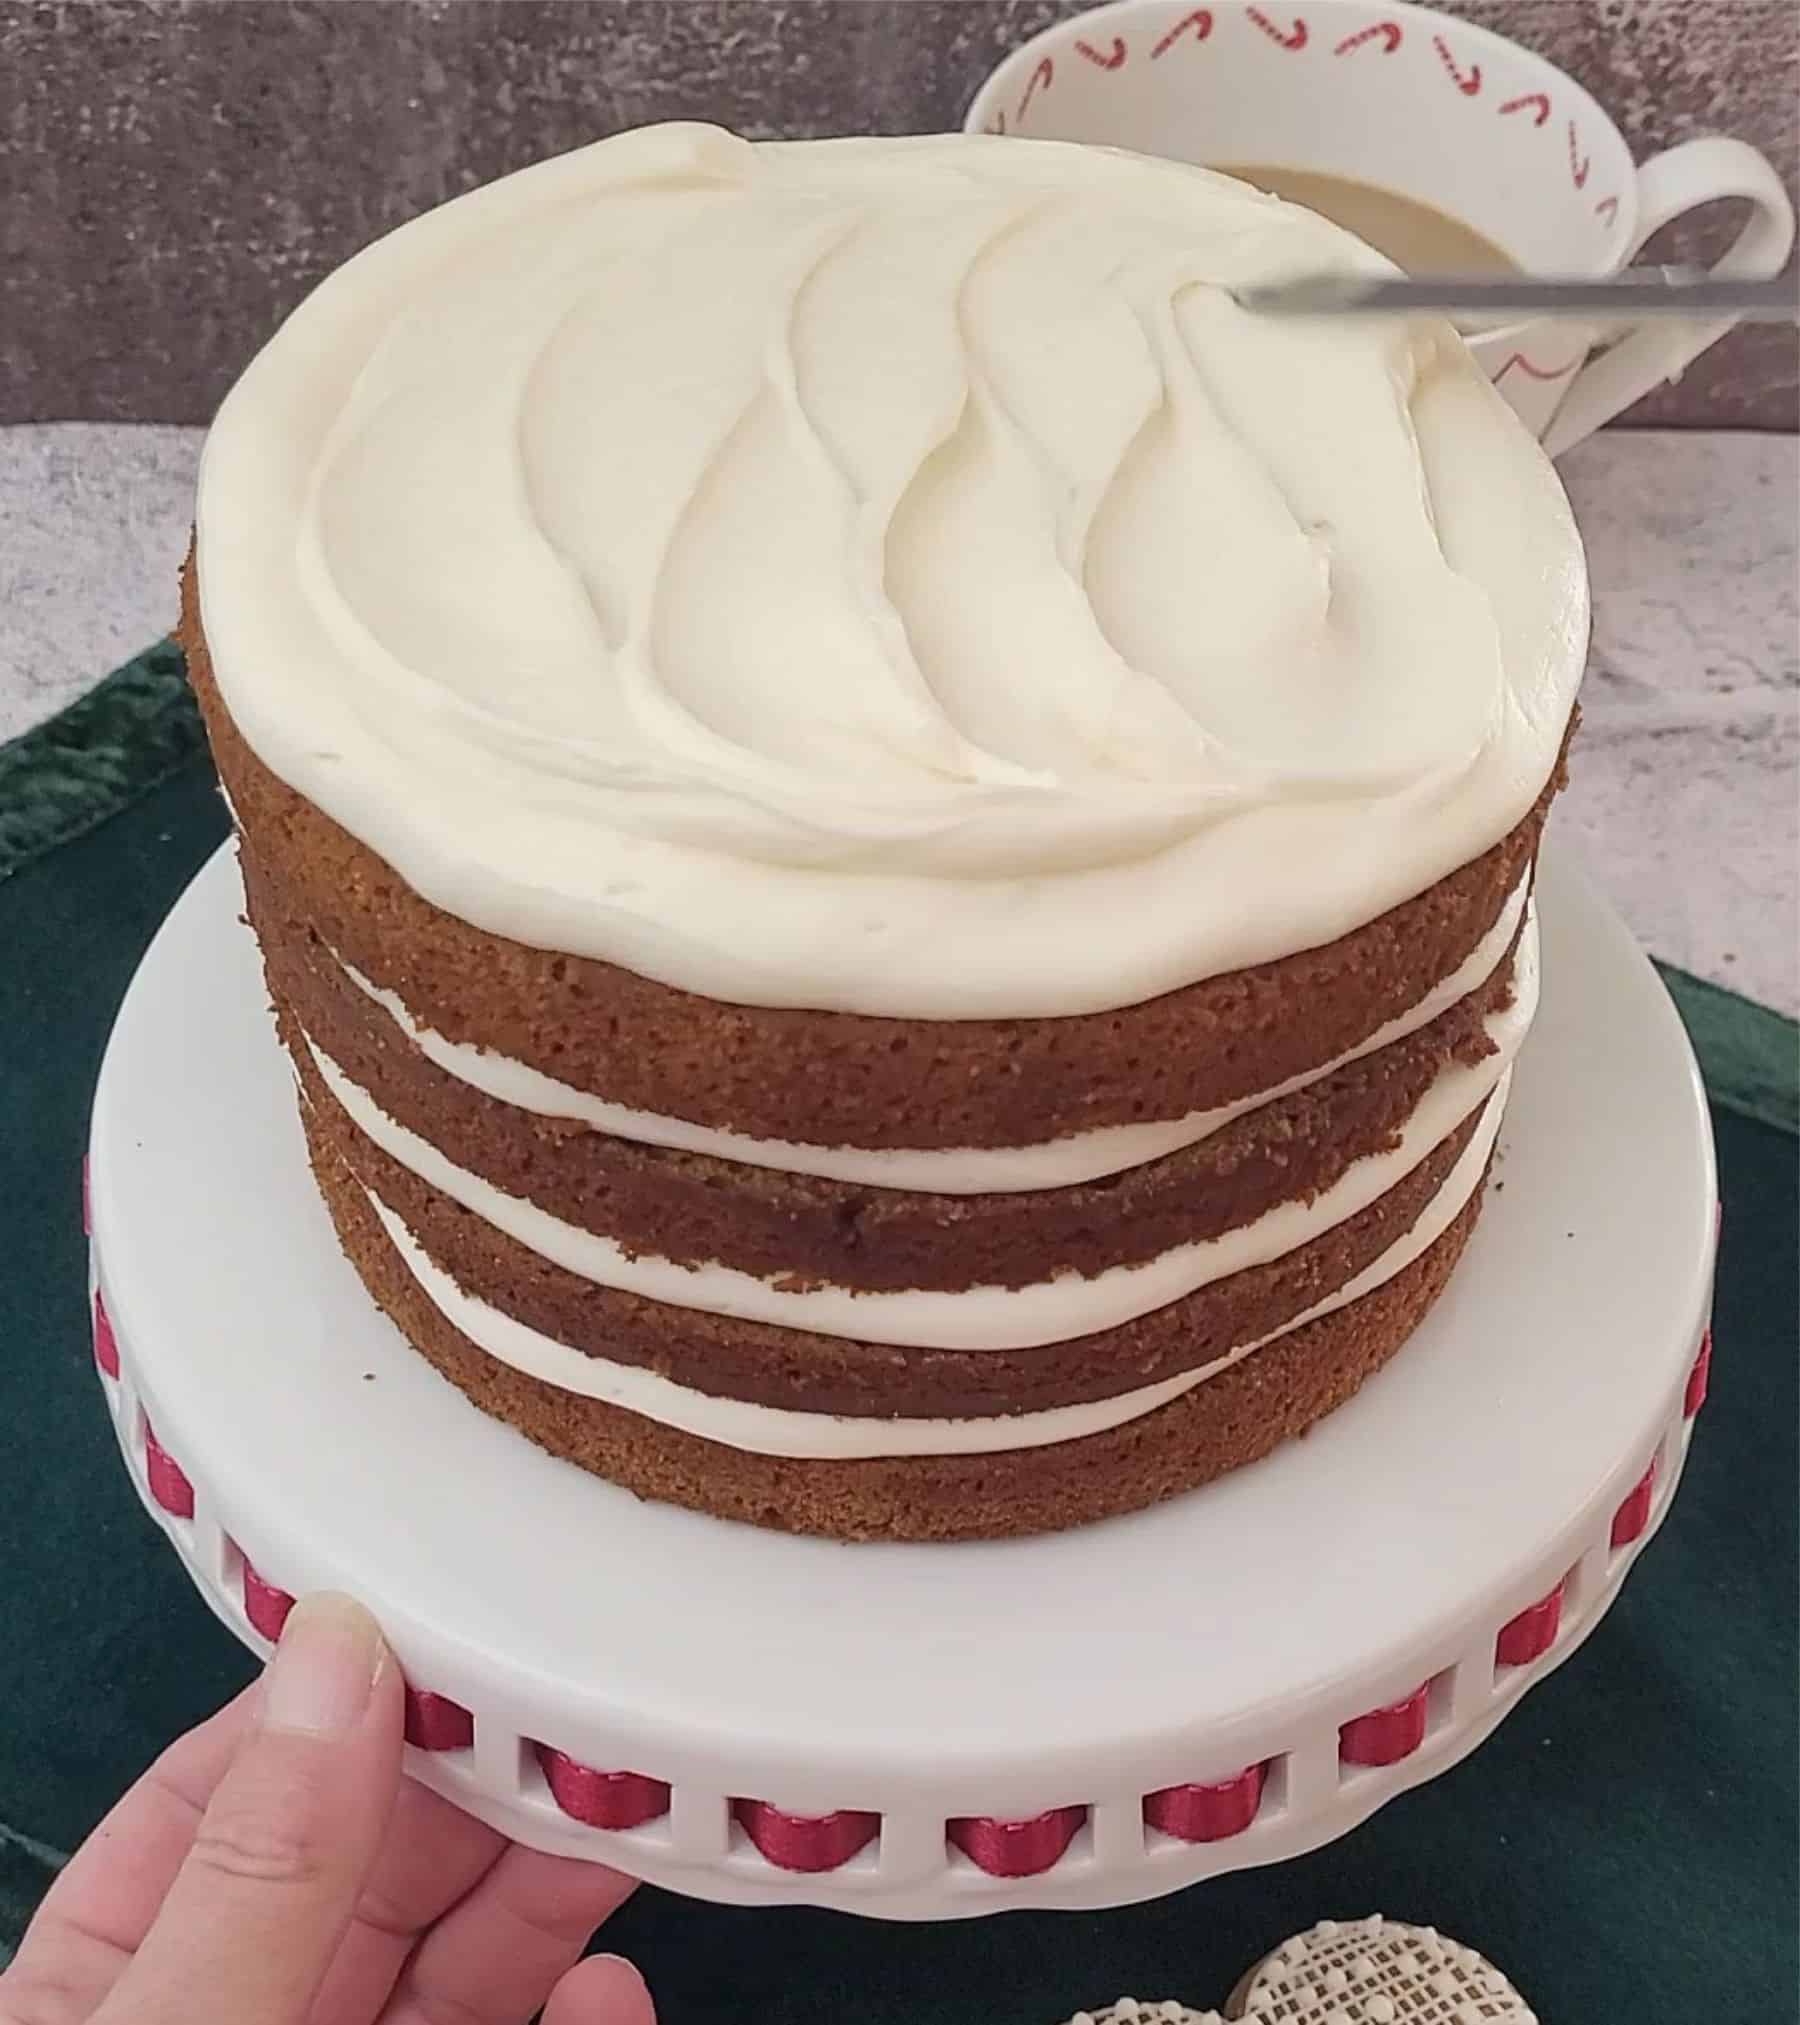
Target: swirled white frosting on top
point(890, 576)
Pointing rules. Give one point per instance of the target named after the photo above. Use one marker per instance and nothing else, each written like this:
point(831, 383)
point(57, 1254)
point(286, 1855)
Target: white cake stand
point(1075, 1721)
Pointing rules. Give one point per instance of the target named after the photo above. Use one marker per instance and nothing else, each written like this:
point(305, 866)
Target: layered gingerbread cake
point(892, 843)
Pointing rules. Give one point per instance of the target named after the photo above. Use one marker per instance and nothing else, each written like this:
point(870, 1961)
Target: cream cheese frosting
point(886, 576)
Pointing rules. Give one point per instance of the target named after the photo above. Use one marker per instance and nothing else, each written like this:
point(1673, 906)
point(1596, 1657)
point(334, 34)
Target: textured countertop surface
point(1685, 803)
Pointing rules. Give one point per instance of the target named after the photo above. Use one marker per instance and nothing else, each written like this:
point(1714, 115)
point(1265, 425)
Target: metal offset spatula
point(1637, 293)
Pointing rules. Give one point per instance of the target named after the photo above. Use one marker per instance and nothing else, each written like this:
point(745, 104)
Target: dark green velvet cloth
point(1624, 1846)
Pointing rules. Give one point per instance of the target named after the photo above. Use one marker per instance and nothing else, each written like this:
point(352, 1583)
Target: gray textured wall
point(175, 173)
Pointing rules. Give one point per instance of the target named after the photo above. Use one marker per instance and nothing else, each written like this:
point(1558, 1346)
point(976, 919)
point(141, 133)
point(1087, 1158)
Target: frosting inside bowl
point(886, 576)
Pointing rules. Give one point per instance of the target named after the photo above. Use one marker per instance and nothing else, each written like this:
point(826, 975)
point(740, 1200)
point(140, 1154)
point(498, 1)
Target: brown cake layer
point(808, 1230)
point(1234, 1418)
point(774, 1366)
point(841, 1079)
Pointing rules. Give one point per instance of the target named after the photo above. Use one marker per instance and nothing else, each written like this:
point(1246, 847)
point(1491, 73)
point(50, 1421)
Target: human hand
point(273, 1868)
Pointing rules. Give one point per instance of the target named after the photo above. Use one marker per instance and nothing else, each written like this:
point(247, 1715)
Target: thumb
point(261, 1902)
point(603, 1990)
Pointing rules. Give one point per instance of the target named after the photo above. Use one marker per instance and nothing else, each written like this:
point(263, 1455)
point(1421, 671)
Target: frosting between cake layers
point(785, 1431)
point(974, 1318)
point(885, 576)
point(965, 1170)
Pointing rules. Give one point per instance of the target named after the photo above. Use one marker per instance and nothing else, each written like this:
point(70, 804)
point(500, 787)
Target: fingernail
point(330, 1655)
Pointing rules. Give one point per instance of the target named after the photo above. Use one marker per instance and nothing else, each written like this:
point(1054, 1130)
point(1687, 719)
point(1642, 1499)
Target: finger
point(256, 1911)
point(431, 1855)
point(601, 1991)
point(498, 1955)
point(101, 1905)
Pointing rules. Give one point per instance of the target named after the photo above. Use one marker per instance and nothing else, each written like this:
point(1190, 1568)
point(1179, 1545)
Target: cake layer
point(961, 1170)
point(806, 1231)
point(768, 1364)
point(768, 1430)
point(559, 549)
point(1244, 1412)
point(837, 1079)
point(979, 1317)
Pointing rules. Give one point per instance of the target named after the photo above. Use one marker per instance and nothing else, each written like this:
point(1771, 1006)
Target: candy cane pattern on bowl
point(1198, 25)
point(1388, 33)
point(1468, 81)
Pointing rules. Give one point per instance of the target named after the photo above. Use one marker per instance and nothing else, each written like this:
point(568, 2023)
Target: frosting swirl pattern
point(886, 576)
